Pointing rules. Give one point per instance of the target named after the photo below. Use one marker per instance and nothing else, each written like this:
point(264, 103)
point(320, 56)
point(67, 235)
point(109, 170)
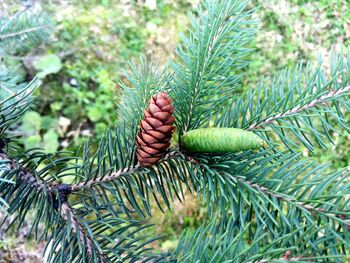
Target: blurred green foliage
point(47, 64)
point(81, 67)
point(33, 126)
point(96, 42)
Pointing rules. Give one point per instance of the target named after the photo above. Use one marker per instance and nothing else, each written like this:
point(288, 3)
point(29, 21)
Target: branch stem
point(301, 205)
point(105, 179)
point(119, 173)
point(26, 31)
point(25, 175)
point(65, 210)
point(67, 213)
point(298, 109)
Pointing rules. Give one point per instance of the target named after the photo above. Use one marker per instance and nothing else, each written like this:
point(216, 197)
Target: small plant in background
point(238, 149)
point(84, 56)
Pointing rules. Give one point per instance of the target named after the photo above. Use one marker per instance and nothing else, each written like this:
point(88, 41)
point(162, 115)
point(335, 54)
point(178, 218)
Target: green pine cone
point(211, 140)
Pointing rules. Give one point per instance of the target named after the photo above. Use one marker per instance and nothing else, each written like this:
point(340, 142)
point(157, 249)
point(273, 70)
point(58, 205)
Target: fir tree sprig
point(67, 214)
point(302, 107)
point(94, 235)
point(145, 80)
point(273, 180)
point(210, 57)
point(220, 242)
point(67, 227)
point(106, 179)
point(15, 103)
point(314, 103)
point(24, 30)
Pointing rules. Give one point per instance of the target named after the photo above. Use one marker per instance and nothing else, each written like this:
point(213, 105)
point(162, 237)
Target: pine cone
point(155, 130)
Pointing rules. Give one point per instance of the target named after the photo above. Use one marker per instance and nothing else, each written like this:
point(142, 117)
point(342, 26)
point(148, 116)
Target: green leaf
point(50, 141)
point(94, 113)
point(48, 122)
point(48, 64)
point(32, 141)
point(31, 122)
point(100, 128)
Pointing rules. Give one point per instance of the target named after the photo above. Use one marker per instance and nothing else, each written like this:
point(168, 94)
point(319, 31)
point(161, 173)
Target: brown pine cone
point(156, 129)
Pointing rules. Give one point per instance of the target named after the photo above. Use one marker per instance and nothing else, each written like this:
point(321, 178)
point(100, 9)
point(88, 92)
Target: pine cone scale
point(162, 116)
point(168, 108)
point(153, 122)
point(156, 130)
point(154, 108)
point(148, 138)
point(170, 120)
point(160, 146)
point(157, 134)
point(166, 129)
point(162, 102)
point(145, 126)
point(150, 150)
point(144, 154)
point(147, 114)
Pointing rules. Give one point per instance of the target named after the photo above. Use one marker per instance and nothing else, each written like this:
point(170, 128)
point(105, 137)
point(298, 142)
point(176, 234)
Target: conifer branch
point(301, 107)
point(120, 173)
point(299, 204)
point(105, 179)
point(23, 32)
point(210, 56)
point(67, 213)
point(285, 259)
point(2, 86)
point(298, 212)
point(25, 175)
point(298, 109)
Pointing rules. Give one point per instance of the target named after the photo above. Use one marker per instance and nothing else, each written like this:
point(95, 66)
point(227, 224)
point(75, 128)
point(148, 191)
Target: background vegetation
point(81, 65)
